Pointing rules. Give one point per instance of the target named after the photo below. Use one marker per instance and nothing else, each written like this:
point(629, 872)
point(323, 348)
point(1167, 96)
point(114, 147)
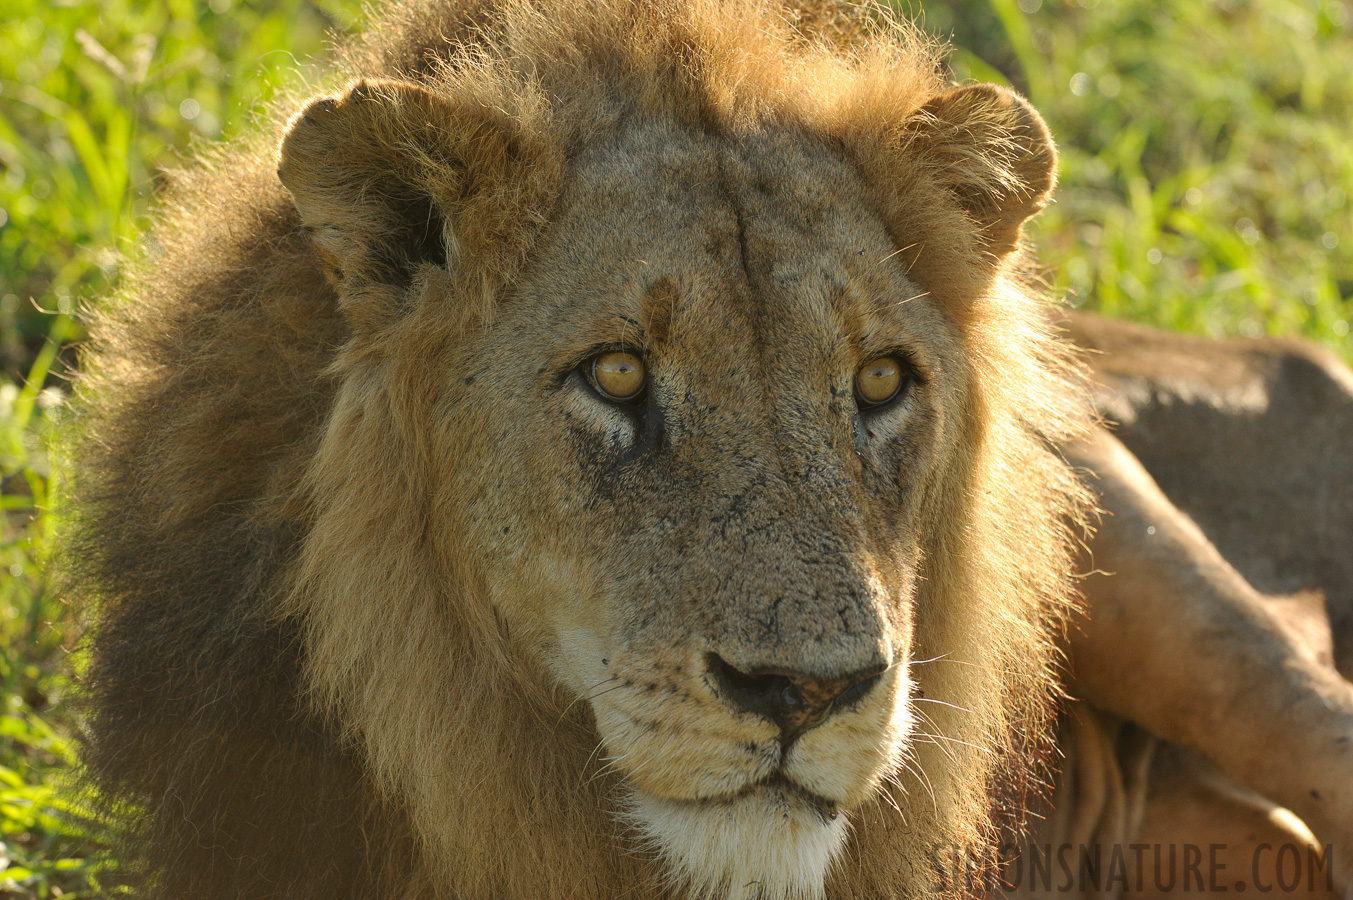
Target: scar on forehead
point(659, 307)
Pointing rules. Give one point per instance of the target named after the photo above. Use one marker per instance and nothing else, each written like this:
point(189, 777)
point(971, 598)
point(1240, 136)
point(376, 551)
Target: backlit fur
point(392, 605)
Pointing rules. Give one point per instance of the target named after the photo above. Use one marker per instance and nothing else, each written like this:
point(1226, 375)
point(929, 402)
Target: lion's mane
point(298, 684)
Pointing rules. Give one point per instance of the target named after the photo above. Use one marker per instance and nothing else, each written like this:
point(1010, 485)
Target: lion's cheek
point(680, 751)
point(553, 602)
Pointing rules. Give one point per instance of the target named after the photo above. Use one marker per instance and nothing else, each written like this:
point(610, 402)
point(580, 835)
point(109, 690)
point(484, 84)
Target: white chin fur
point(765, 845)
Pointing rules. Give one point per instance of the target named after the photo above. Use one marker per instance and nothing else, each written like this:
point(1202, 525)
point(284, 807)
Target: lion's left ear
point(389, 177)
point(995, 154)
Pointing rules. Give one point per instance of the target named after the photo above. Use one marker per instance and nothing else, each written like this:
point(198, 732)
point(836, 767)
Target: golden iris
point(618, 375)
point(878, 381)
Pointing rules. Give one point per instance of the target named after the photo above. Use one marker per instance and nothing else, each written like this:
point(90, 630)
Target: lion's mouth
point(778, 785)
point(826, 810)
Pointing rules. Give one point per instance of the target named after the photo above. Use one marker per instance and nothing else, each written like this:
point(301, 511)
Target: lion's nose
point(792, 700)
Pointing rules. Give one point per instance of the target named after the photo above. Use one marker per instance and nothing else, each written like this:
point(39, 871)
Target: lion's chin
point(771, 842)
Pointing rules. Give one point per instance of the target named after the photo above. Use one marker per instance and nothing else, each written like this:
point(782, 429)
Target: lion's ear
point(388, 177)
point(994, 152)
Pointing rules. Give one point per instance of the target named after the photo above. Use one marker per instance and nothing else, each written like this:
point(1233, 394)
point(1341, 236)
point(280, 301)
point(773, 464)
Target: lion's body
point(1219, 605)
point(1253, 439)
point(391, 604)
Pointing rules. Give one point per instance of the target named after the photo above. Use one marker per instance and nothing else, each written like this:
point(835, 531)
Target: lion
point(593, 457)
point(594, 450)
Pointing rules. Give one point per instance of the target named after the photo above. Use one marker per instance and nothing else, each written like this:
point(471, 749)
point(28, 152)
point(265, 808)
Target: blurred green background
point(1207, 163)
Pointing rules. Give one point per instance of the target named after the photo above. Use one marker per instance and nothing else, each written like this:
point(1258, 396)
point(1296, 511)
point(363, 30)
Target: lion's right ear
point(389, 177)
point(994, 153)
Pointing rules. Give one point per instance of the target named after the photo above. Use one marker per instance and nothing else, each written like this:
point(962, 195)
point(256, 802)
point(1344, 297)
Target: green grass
point(1207, 185)
point(47, 843)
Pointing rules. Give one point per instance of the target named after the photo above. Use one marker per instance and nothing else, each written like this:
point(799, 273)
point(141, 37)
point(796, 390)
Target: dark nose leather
point(794, 701)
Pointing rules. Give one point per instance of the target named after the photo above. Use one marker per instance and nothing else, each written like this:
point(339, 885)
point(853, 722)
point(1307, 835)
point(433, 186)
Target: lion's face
point(701, 427)
point(723, 566)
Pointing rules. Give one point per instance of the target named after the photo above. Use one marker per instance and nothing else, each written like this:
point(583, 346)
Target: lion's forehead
point(765, 239)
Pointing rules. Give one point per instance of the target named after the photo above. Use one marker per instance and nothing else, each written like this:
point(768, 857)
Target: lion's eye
point(879, 381)
point(618, 375)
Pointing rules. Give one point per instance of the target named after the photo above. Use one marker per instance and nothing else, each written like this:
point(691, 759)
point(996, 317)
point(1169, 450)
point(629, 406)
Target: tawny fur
point(1231, 521)
point(312, 507)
